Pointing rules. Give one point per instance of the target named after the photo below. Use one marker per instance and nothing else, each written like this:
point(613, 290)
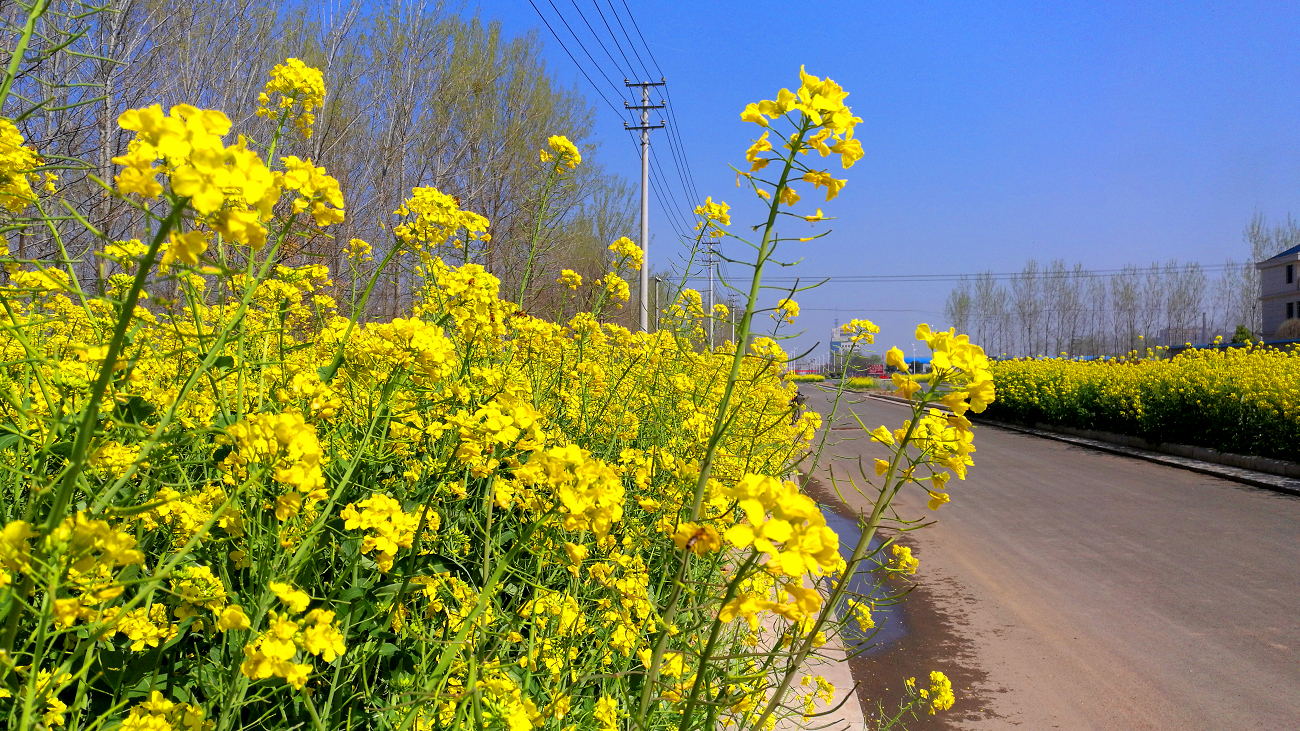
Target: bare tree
point(417, 95)
point(958, 307)
point(1027, 305)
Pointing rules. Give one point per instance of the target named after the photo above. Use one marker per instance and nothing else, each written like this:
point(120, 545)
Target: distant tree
point(417, 94)
point(1288, 330)
point(958, 307)
point(1241, 335)
point(858, 365)
point(1027, 306)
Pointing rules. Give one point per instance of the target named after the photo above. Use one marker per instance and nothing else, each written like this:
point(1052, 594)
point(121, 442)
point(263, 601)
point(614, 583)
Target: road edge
point(1265, 480)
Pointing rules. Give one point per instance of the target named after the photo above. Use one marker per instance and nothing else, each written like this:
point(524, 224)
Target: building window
point(1290, 310)
point(1290, 273)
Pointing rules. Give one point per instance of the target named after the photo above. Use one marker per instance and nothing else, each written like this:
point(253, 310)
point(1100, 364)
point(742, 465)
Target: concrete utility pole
point(711, 261)
point(731, 319)
point(645, 128)
point(659, 285)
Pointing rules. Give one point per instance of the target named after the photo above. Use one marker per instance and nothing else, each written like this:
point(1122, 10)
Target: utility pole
point(645, 128)
point(731, 319)
point(711, 261)
point(659, 285)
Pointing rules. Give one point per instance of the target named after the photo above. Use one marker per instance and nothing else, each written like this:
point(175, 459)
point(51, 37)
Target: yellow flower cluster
point(183, 516)
point(823, 122)
point(939, 695)
point(786, 311)
point(196, 587)
point(628, 253)
point(860, 331)
point(230, 187)
point(436, 219)
point(317, 191)
point(589, 492)
point(713, 217)
point(570, 279)
point(286, 445)
point(807, 544)
point(616, 288)
point(951, 353)
point(160, 714)
point(274, 651)
point(297, 90)
point(563, 151)
point(17, 163)
point(389, 527)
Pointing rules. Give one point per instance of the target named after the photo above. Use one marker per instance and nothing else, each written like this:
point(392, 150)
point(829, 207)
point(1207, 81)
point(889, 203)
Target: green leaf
point(135, 410)
point(439, 564)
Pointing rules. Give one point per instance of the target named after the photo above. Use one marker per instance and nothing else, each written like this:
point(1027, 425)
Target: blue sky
point(1102, 133)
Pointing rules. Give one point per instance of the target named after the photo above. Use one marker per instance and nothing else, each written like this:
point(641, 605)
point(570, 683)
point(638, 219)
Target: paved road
point(1081, 590)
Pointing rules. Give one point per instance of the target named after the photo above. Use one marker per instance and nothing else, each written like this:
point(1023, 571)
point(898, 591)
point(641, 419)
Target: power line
point(999, 276)
point(574, 60)
point(597, 37)
point(675, 142)
point(654, 160)
point(580, 45)
point(631, 70)
point(629, 38)
point(668, 203)
point(670, 214)
point(672, 118)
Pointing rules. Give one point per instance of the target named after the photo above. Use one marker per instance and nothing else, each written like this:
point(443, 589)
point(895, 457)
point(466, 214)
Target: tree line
point(1057, 307)
point(418, 94)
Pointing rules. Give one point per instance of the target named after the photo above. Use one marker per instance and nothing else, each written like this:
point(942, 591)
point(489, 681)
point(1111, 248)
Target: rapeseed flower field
point(226, 505)
point(1239, 400)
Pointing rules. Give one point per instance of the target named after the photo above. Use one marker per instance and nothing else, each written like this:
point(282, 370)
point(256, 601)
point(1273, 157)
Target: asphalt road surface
point(1074, 589)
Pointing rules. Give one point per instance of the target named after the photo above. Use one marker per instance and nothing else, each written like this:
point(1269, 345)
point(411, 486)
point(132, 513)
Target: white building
point(1279, 286)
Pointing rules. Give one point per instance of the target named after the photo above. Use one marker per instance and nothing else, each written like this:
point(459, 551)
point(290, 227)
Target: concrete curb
point(1265, 480)
point(1269, 465)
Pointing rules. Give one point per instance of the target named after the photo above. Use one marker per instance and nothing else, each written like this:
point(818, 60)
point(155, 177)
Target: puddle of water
point(890, 626)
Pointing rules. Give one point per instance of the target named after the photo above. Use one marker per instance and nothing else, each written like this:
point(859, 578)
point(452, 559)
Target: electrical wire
point(631, 69)
point(629, 38)
point(998, 276)
point(599, 69)
point(669, 206)
point(695, 195)
point(598, 41)
point(568, 53)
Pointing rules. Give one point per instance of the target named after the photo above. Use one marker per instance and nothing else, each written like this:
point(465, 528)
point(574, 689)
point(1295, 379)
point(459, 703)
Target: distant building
point(1279, 286)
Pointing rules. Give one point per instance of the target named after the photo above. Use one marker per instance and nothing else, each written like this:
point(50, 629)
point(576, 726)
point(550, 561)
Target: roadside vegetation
point(234, 493)
point(1240, 400)
point(807, 378)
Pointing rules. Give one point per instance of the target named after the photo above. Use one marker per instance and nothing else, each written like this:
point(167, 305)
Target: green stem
point(38, 9)
point(719, 423)
point(537, 229)
point(713, 639)
point(77, 460)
